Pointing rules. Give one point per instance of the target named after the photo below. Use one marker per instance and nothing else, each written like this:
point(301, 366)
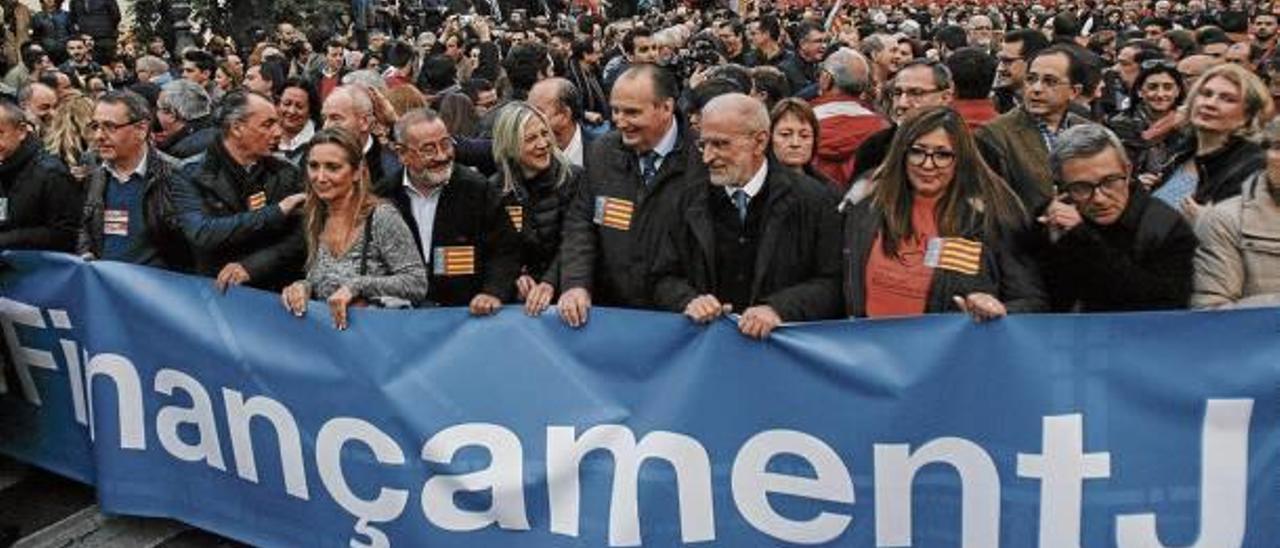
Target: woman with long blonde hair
point(359, 249)
point(538, 183)
point(68, 138)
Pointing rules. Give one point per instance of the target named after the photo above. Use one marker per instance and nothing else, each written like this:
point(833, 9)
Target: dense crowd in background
point(783, 162)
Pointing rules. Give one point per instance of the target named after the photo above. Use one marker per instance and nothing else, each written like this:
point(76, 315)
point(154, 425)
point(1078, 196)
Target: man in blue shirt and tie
point(613, 228)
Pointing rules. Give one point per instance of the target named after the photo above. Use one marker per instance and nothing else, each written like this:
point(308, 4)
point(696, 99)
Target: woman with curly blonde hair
point(68, 137)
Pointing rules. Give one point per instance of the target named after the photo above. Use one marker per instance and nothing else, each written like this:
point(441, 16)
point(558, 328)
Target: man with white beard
point(758, 238)
point(466, 238)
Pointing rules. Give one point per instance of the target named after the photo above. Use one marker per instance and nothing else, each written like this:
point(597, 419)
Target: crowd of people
point(781, 162)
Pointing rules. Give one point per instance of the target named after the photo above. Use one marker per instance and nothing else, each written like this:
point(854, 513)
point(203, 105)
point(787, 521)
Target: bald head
point(743, 110)
point(1192, 66)
point(559, 101)
point(735, 137)
point(849, 71)
point(350, 108)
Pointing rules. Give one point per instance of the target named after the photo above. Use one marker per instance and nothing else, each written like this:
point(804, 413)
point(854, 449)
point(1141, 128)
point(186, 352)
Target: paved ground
point(43, 510)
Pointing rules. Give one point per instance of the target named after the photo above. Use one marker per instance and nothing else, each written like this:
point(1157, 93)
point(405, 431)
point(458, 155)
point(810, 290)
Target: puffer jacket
point(537, 209)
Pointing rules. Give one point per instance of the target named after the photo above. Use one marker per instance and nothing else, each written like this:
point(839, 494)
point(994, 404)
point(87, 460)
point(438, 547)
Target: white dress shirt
point(423, 207)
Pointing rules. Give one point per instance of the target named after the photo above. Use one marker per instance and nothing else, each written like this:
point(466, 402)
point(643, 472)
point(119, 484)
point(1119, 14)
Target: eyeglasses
point(1008, 59)
point(897, 93)
point(1160, 63)
point(716, 144)
point(1082, 191)
point(428, 150)
point(1049, 81)
point(917, 156)
point(109, 127)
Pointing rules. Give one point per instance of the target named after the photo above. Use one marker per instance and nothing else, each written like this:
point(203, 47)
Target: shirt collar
point(668, 141)
point(368, 143)
point(140, 170)
point(574, 149)
point(303, 137)
point(753, 186)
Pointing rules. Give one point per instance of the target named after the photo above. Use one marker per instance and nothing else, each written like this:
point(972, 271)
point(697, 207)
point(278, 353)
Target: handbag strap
point(364, 247)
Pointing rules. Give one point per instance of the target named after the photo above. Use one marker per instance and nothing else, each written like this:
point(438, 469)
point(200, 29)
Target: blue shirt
point(123, 228)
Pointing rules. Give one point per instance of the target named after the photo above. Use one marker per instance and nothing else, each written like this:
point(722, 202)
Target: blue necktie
point(740, 199)
point(648, 167)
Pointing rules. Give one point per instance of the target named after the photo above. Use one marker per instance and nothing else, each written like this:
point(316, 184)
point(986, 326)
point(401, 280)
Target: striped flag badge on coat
point(257, 200)
point(457, 260)
point(613, 212)
point(517, 217)
point(954, 254)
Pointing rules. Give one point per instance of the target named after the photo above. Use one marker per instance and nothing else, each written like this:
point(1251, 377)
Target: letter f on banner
point(1224, 476)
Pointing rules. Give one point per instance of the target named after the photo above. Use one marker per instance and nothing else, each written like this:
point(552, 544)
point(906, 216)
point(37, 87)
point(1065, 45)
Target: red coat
point(843, 124)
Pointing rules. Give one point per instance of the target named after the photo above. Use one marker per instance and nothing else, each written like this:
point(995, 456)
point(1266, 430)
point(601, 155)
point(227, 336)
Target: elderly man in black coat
point(1106, 245)
point(758, 239)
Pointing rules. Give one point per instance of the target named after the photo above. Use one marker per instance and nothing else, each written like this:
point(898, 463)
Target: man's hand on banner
point(484, 304)
point(704, 308)
point(232, 274)
point(758, 322)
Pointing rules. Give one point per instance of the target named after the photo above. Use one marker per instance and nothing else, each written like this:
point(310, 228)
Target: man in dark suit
point(755, 237)
point(561, 103)
point(467, 241)
point(614, 227)
point(236, 203)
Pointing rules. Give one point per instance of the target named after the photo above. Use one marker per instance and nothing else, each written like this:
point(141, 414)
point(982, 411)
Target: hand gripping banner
point(432, 428)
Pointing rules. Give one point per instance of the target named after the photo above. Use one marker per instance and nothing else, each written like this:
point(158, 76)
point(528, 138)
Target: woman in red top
point(939, 232)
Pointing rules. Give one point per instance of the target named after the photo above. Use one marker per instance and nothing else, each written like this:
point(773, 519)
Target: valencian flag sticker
point(517, 217)
point(458, 260)
point(257, 200)
point(954, 254)
point(613, 212)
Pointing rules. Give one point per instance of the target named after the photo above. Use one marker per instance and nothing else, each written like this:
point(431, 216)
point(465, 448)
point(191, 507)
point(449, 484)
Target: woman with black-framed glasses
point(940, 231)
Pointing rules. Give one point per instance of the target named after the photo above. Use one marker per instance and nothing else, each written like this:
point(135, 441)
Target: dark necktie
point(648, 167)
point(740, 200)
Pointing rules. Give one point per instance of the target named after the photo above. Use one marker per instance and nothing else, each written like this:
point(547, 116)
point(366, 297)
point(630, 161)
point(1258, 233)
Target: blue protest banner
point(429, 427)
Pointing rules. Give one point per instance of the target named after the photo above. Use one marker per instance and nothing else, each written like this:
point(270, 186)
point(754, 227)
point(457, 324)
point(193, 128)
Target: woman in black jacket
point(940, 231)
point(1226, 107)
point(538, 183)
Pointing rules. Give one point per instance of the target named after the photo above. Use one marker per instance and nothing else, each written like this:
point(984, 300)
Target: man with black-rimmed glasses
point(1104, 244)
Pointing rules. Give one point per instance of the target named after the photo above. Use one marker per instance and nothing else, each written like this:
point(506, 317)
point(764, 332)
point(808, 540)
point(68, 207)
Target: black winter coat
point(225, 221)
point(42, 202)
point(1141, 262)
point(616, 223)
point(470, 220)
point(537, 208)
point(1222, 172)
point(194, 138)
point(1008, 270)
point(797, 267)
